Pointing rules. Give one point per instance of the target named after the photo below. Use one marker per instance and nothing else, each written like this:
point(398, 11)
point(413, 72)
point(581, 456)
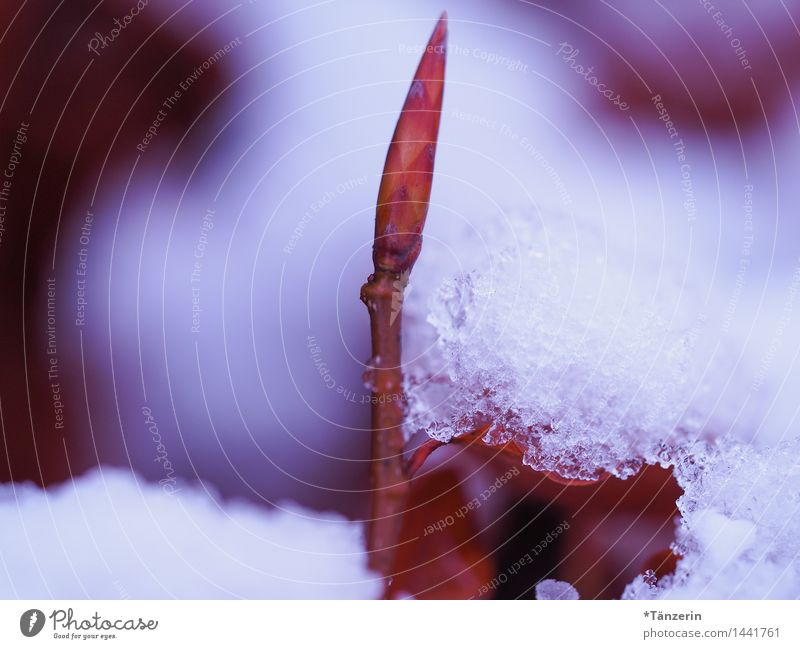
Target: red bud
point(408, 173)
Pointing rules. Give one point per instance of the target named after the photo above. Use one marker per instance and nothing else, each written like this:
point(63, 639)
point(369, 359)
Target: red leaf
point(441, 555)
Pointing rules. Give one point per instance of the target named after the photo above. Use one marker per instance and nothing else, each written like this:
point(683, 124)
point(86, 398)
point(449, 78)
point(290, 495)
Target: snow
point(593, 355)
point(739, 534)
point(554, 589)
point(561, 351)
point(721, 539)
point(109, 535)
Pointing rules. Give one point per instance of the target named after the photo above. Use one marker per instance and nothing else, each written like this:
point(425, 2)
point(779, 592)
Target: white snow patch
point(109, 535)
point(739, 536)
point(554, 589)
point(592, 354)
point(722, 539)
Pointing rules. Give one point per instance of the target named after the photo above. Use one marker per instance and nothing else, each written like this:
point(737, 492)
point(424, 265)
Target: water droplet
point(369, 379)
point(370, 375)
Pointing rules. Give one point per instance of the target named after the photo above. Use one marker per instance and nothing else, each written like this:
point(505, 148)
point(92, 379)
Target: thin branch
point(400, 217)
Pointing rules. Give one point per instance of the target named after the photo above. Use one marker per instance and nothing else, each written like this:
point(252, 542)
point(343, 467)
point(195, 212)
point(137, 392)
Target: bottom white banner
point(401, 624)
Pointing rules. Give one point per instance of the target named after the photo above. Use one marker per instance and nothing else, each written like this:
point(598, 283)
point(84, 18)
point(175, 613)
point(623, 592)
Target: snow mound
point(739, 536)
point(554, 589)
point(583, 363)
point(592, 355)
point(109, 535)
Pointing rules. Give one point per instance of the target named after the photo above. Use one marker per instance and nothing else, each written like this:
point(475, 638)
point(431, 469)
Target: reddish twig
point(400, 216)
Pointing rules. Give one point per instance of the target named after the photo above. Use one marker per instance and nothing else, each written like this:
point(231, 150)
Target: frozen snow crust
point(581, 360)
point(739, 534)
point(593, 357)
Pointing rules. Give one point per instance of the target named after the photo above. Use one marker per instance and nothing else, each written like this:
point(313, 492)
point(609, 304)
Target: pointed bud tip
point(405, 188)
point(440, 31)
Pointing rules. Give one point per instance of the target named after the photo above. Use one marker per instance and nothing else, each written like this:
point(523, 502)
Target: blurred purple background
point(220, 336)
